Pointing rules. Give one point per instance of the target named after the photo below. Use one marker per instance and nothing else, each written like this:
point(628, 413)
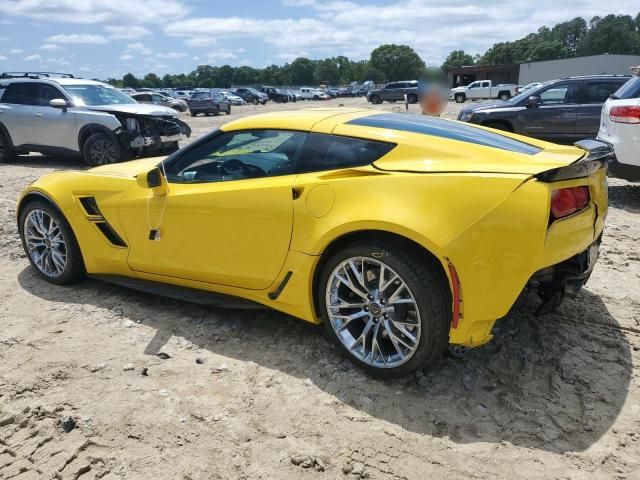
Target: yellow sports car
point(402, 234)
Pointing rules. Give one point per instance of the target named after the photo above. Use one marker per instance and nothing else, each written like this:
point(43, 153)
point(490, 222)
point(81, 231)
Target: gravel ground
point(161, 389)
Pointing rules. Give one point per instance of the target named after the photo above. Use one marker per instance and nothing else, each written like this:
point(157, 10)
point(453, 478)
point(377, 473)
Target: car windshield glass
point(92, 95)
point(630, 89)
point(526, 94)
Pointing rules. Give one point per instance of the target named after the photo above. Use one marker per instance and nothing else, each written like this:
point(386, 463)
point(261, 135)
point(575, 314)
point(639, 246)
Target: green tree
point(130, 81)
point(612, 34)
point(397, 62)
point(301, 71)
point(151, 80)
point(457, 58)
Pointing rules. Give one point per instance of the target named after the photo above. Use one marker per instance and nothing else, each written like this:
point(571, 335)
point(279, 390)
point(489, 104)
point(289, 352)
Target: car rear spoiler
point(597, 155)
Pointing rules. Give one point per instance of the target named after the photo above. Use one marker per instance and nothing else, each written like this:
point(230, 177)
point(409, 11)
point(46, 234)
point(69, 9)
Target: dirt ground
point(161, 389)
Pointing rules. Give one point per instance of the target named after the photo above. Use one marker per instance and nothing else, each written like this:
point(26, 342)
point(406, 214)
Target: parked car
point(251, 95)
point(208, 102)
point(620, 126)
point(233, 98)
point(313, 94)
point(482, 89)
point(394, 282)
point(344, 92)
point(563, 110)
point(292, 95)
point(394, 92)
point(127, 91)
point(158, 99)
point(182, 94)
point(275, 94)
point(48, 114)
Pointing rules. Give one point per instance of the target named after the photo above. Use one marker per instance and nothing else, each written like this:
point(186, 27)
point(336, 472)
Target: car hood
point(493, 105)
point(129, 169)
point(135, 109)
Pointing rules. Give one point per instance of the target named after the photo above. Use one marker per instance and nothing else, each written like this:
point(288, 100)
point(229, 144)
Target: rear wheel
point(412, 98)
point(49, 242)
point(255, 101)
point(387, 309)
point(7, 154)
point(102, 149)
point(216, 110)
point(504, 96)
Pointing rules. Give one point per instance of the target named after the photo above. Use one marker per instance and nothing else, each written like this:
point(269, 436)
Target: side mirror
point(533, 101)
point(58, 103)
point(154, 180)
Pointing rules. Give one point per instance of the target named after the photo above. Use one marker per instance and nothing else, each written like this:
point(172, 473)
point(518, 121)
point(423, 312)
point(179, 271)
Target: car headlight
point(465, 116)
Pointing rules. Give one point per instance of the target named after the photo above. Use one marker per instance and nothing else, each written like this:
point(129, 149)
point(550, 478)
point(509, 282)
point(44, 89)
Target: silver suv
point(57, 113)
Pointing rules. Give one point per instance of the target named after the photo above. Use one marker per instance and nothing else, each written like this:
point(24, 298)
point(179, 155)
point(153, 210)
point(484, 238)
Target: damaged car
point(61, 114)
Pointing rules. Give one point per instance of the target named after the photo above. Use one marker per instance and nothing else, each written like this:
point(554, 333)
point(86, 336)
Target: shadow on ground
point(555, 383)
point(625, 197)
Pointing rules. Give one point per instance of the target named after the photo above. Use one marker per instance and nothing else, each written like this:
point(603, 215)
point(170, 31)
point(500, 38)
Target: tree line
point(614, 34)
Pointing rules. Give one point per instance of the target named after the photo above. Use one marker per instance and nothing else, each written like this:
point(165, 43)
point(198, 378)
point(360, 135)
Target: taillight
point(566, 201)
point(625, 114)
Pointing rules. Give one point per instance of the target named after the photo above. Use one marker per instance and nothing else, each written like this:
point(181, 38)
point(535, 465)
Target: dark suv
point(564, 110)
point(275, 94)
point(251, 95)
point(395, 91)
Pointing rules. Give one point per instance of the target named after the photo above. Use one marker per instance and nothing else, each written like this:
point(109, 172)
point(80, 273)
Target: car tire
point(193, 114)
point(58, 261)
point(412, 98)
point(229, 110)
point(255, 101)
point(102, 149)
point(460, 97)
point(375, 99)
point(7, 153)
point(169, 149)
point(417, 337)
point(504, 96)
point(216, 111)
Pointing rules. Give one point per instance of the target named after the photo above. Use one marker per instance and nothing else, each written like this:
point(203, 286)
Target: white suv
point(60, 114)
point(620, 126)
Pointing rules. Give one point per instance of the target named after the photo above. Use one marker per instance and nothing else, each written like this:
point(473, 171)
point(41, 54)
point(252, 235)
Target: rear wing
point(597, 155)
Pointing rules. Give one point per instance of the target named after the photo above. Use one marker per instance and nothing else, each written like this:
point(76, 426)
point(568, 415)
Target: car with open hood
point(58, 113)
point(401, 234)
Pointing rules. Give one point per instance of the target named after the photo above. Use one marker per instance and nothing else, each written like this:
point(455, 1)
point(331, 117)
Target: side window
point(598, 92)
point(474, 85)
point(330, 152)
point(485, 84)
point(559, 94)
point(390, 86)
point(48, 93)
point(21, 94)
point(238, 156)
point(156, 98)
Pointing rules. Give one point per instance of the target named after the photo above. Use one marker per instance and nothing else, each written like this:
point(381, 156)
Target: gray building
point(568, 67)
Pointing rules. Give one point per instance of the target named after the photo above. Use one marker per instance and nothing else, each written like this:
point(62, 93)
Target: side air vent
point(111, 234)
point(90, 206)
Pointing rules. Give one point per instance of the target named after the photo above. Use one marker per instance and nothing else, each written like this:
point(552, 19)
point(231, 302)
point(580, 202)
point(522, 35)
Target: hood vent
point(90, 207)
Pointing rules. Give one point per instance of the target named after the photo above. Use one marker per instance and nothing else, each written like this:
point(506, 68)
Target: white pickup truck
point(482, 89)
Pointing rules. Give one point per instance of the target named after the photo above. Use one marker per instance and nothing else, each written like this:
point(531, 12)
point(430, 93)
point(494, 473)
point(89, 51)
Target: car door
point(592, 97)
point(484, 91)
point(472, 89)
point(16, 112)
point(55, 127)
point(159, 100)
point(554, 118)
point(228, 215)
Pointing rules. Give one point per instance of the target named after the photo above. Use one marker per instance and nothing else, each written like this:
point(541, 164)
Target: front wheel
point(460, 97)
point(50, 245)
point(375, 99)
point(387, 309)
point(255, 101)
point(7, 154)
point(102, 149)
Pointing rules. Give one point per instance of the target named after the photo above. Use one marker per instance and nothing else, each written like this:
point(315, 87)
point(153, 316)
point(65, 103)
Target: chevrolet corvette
point(404, 235)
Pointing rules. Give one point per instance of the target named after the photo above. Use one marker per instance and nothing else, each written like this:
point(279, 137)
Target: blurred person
point(432, 94)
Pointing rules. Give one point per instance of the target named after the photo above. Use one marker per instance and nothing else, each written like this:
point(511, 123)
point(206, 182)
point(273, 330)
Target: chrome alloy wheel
point(45, 243)
point(373, 312)
point(103, 152)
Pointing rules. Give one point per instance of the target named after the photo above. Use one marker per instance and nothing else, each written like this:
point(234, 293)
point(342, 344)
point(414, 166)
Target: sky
point(108, 38)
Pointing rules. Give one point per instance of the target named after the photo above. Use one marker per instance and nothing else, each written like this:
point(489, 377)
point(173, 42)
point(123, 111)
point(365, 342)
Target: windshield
point(526, 93)
point(631, 89)
point(93, 95)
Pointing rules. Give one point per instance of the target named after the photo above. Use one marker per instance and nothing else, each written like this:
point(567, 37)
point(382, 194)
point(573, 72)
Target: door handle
point(38, 114)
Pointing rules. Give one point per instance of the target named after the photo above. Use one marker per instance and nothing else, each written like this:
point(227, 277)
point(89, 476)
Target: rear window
point(438, 127)
point(631, 89)
point(195, 96)
point(331, 152)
